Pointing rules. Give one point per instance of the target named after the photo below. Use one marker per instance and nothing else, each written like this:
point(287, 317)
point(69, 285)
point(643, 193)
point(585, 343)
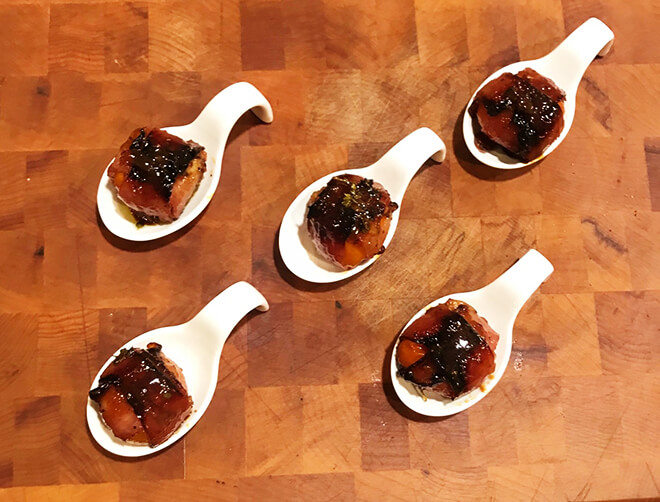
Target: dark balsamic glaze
point(451, 341)
point(534, 103)
point(450, 351)
point(141, 377)
point(347, 205)
point(155, 394)
point(159, 158)
point(534, 113)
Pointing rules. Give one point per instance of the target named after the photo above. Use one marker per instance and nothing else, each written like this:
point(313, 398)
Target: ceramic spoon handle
point(224, 110)
point(514, 287)
point(409, 154)
point(592, 38)
point(223, 313)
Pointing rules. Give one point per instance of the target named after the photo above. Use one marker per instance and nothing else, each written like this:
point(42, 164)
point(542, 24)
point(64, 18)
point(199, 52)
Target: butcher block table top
point(304, 408)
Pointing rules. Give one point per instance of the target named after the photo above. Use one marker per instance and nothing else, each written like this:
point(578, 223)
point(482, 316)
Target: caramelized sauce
point(348, 204)
point(155, 395)
point(159, 158)
point(349, 218)
point(155, 174)
point(442, 350)
point(449, 349)
point(525, 114)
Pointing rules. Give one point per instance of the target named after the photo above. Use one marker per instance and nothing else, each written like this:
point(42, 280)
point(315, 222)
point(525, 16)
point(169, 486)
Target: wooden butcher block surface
point(304, 408)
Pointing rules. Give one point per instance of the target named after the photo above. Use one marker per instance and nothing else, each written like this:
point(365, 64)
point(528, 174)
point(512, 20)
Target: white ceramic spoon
point(394, 171)
point(195, 347)
point(211, 130)
point(499, 303)
point(565, 66)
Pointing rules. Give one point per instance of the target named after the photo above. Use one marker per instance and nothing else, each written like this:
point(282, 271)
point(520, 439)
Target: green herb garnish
point(351, 198)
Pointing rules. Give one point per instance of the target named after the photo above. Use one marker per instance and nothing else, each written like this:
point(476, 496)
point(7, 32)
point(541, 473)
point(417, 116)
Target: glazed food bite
point(449, 350)
point(156, 173)
point(142, 396)
point(522, 113)
point(349, 218)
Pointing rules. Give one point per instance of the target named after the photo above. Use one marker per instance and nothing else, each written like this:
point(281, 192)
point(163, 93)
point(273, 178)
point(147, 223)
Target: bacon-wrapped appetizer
point(521, 113)
point(349, 218)
point(449, 350)
point(142, 396)
point(156, 173)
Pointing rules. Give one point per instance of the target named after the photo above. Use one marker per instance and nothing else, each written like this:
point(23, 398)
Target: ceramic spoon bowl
point(394, 171)
point(195, 347)
point(499, 303)
point(565, 66)
point(211, 130)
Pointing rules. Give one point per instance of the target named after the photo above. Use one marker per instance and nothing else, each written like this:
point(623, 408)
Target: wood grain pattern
point(304, 409)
